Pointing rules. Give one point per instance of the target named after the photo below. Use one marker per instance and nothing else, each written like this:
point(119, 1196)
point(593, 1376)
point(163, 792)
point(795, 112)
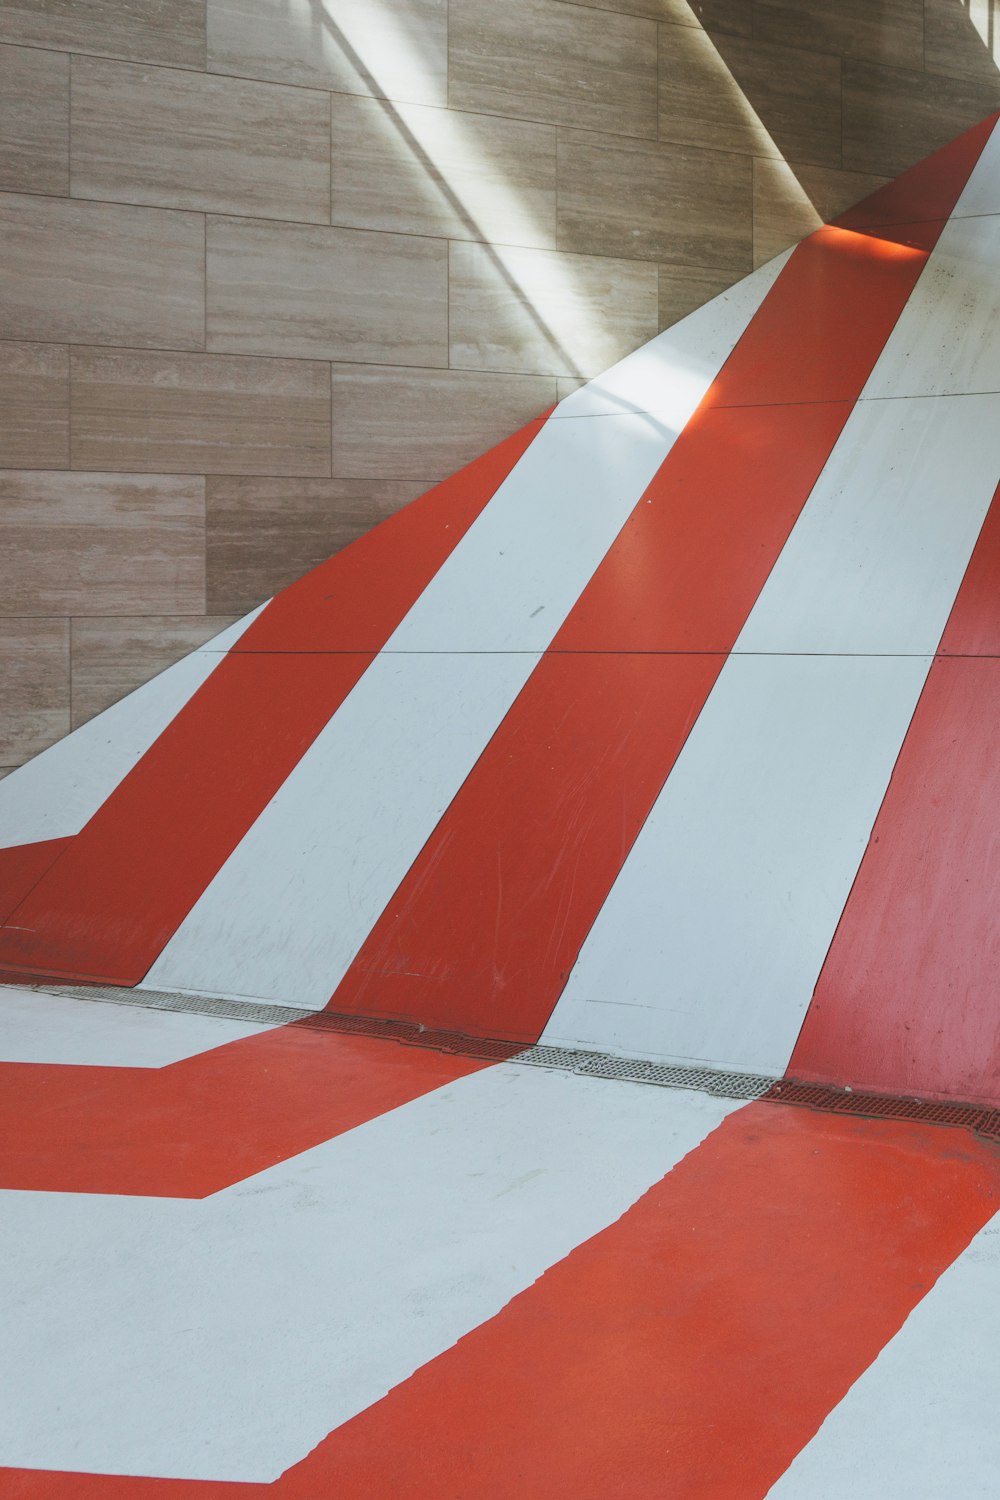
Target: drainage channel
point(978, 1119)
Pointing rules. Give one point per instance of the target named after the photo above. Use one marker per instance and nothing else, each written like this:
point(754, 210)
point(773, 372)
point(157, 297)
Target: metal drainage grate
point(590, 1064)
point(638, 1070)
point(980, 1120)
point(258, 1011)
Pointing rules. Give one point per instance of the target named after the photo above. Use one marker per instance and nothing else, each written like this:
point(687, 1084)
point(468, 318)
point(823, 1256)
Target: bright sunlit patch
point(549, 298)
point(658, 381)
point(873, 244)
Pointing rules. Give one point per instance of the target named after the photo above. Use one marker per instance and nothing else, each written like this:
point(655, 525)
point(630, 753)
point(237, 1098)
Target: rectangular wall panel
point(945, 343)
point(137, 274)
point(187, 140)
point(313, 292)
point(103, 544)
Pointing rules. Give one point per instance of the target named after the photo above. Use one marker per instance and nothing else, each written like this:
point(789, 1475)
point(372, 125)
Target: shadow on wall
point(827, 99)
point(326, 31)
point(868, 89)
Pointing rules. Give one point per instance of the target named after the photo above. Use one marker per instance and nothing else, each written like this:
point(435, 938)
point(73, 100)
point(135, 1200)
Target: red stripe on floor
point(482, 933)
point(22, 866)
point(907, 999)
point(355, 600)
point(690, 1350)
point(686, 570)
point(840, 297)
point(199, 1125)
point(926, 190)
point(124, 884)
point(484, 929)
point(119, 892)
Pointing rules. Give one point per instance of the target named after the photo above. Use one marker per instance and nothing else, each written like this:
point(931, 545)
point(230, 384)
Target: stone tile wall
point(269, 268)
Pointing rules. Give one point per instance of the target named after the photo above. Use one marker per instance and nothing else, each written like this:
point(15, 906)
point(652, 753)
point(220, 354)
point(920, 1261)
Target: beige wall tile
point(185, 140)
point(265, 533)
point(326, 293)
point(34, 686)
point(416, 170)
point(649, 201)
point(392, 48)
point(734, 16)
point(791, 200)
point(893, 117)
point(112, 657)
point(957, 41)
point(197, 413)
point(143, 30)
point(786, 102)
point(783, 212)
point(392, 422)
point(109, 544)
point(100, 273)
point(889, 31)
point(699, 105)
point(541, 312)
point(34, 406)
point(653, 10)
point(831, 192)
point(564, 64)
point(682, 289)
point(34, 121)
point(796, 95)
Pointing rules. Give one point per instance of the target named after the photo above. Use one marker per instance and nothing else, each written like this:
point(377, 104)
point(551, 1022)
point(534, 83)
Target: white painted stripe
point(39, 1028)
point(712, 938)
point(981, 194)
point(289, 910)
point(223, 1338)
point(285, 916)
point(922, 1420)
point(521, 566)
point(945, 342)
point(711, 941)
point(670, 375)
point(55, 794)
point(877, 556)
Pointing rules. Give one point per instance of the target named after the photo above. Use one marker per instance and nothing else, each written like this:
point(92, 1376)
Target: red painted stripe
point(907, 999)
point(355, 600)
point(118, 893)
point(819, 333)
point(973, 627)
point(199, 1125)
point(22, 866)
point(926, 191)
point(695, 1346)
point(690, 1350)
point(483, 931)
